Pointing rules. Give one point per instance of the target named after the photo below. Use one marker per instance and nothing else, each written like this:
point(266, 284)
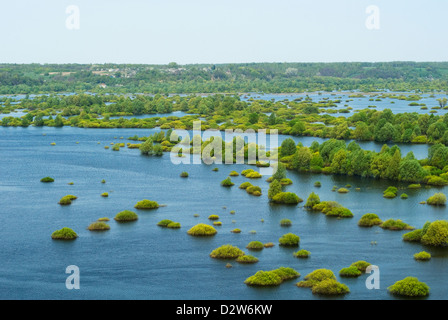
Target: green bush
point(126, 216)
point(255, 245)
point(254, 175)
point(423, 256)
point(409, 287)
point(369, 220)
point(104, 219)
point(213, 217)
point(352, 272)
point(47, 179)
point(302, 254)
point(343, 190)
point(245, 185)
point(164, 223)
point(264, 278)
point(340, 213)
point(64, 234)
point(215, 169)
point(389, 195)
point(414, 186)
point(184, 174)
point(286, 198)
point(285, 182)
point(217, 223)
point(360, 265)
point(66, 200)
point(330, 287)
point(438, 199)
point(236, 230)
point(146, 205)
point(395, 225)
point(247, 171)
point(227, 182)
point(404, 196)
point(315, 277)
point(285, 223)
point(289, 240)
point(105, 194)
point(436, 234)
point(313, 199)
point(226, 251)
point(413, 236)
point(234, 174)
point(246, 259)
point(317, 184)
point(202, 229)
point(253, 189)
point(98, 226)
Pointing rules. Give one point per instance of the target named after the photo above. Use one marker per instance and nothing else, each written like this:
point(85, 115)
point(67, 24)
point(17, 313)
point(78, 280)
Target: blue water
point(143, 261)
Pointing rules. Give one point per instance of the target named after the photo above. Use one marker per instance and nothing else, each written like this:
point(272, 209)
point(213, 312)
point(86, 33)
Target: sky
point(230, 31)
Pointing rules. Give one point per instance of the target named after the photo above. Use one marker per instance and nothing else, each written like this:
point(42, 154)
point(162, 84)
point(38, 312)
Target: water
point(142, 261)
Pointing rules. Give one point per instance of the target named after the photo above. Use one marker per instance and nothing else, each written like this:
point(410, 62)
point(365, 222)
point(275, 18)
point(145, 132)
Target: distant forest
point(224, 78)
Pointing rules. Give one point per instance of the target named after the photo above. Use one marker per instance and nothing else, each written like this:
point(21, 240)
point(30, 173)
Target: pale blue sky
point(230, 31)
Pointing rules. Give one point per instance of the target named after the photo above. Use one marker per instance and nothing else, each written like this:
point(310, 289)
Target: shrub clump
point(395, 225)
point(289, 240)
point(439, 199)
point(285, 182)
point(404, 196)
point(369, 220)
point(333, 209)
point(254, 175)
point(315, 277)
point(126, 216)
point(317, 184)
point(247, 171)
point(409, 287)
point(146, 205)
point(414, 186)
point(313, 199)
point(254, 190)
point(234, 174)
point(164, 223)
point(350, 272)
point(66, 200)
point(236, 230)
point(201, 230)
point(64, 234)
point(390, 192)
point(436, 234)
point(105, 194)
point(289, 198)
point(272, 278)
point(255, 245)
point(226, 251)
point(302, 254)
point(330, 287)
point(422, 256)
point(245, 185)
point(246, 259)
point(343, 190)
point(269, 245)
point(361, 265)
point(285, 223)
point(184, 174)
point(213, 217)
point(47, 179)
point(98, 226)
point(227, 182)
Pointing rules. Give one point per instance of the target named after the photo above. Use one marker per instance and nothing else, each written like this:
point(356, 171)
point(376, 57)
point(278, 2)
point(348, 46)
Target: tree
point(147, 147)
point(274, 189)
point(393, 170)
point(301, 159)
point(288, 148)
point(298, 129)
point(280, 173)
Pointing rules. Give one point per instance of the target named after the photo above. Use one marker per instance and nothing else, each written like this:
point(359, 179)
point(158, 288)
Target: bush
point(436, 181)
point(390, 192)
point(438, 199)
point(98, 226)
point(414, 186)
point(286, 198)
point(234, 174)
point(64, 234)
point(395, 225)
point(313, 199)
point(47, 179)
point(146, 205)
point(226, 251)
point(343, 190)
point(247, 171)
point(104, 219)
point(236, 230)
point(164, 223)
point(302, 254)
point(66, 200)
point(289, 240)
point(350, 272)
point(105, 194)
point(422, 256)
point(255, 245)
point(413, 236)
point(184, 174)
point(330, 287)
point(202, 229)
point(174, 225)
point(126, 216)
point(285, 182)
point(340, 213)
point(360, 265)
point(215, 169)
point(285, 223)
point(436, 234)
point(254, 175)
point(404, 196)
point(269, 245)
point(227, 182)
point(369, 220)
point(246, 259)
point(317, 184)
point(245, 185)
point(409, 287)
point(103, 181)
point(253, 189)
point(213, 217)
point(272, 278)
point(315, 277)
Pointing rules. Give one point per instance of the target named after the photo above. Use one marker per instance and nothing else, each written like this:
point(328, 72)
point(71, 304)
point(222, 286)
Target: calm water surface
point(142, 261)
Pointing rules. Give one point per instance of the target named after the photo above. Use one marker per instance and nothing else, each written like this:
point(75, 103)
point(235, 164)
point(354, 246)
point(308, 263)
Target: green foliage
point(226, 251)
point(64, 234)
point(125, 216)
point(315, 277)
point(343, 190)
point(413, 236)
point(360, 265)
point(255, 245)
point(246, 259)
point(66, 200)
point(422, 256)
point(272, 278)
point(302, 254)
point(98, 226)
point(227, 182)
point(105, 194)
point(285, 223)
point(369, 220)
point(288, 198)
point(395, 225)
point(213, 217)
point(330, 287)
point(350, 272)
point(436, 234)
point(254, 190)
point(313, 199)
point(146, 205)
point(47, 179)
point(390, 192)
point(164, 223)
point(438, 199)
point(245, 185)
point(184, 174)
point(234, 174)
point(274, 188)
point(202, 230)
point(317, 184)
point(289, 240)
point(409, 287)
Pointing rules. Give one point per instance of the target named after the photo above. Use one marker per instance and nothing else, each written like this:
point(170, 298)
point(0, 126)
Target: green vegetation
point(435, 234)
point(414, 186)
point(236, 230)
point(422, 256)
point(404, 196)
point(234, 174)
point(315, 277)
point(269, 245)
point(255, 245)
point(317, 184)
point(330, 287)
point(333, 209)
point(272, 278)
point(343, 190)
point(285, 223)
point(105, 194)
point(395, 225)
point(254, 190)
point(438, 199)
point(246, 259)
point(390, 192)
point(302, 254)
point(227, 182)
point(360, 265)
point(369, 220)
point(64, 234)
point(146, 205)
point(274, 189)
point(289, 240)
point(47, 179)
point(104, 219)
point(201, 229)
point(98, 226)
point(226, 252)
point(288, 198)
point(245, 185)
point(184, 174)
point(313, 199)
point(126, 216)
point(409, 287)
point(67, 200)
point(213, 217)
point(352, 272)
